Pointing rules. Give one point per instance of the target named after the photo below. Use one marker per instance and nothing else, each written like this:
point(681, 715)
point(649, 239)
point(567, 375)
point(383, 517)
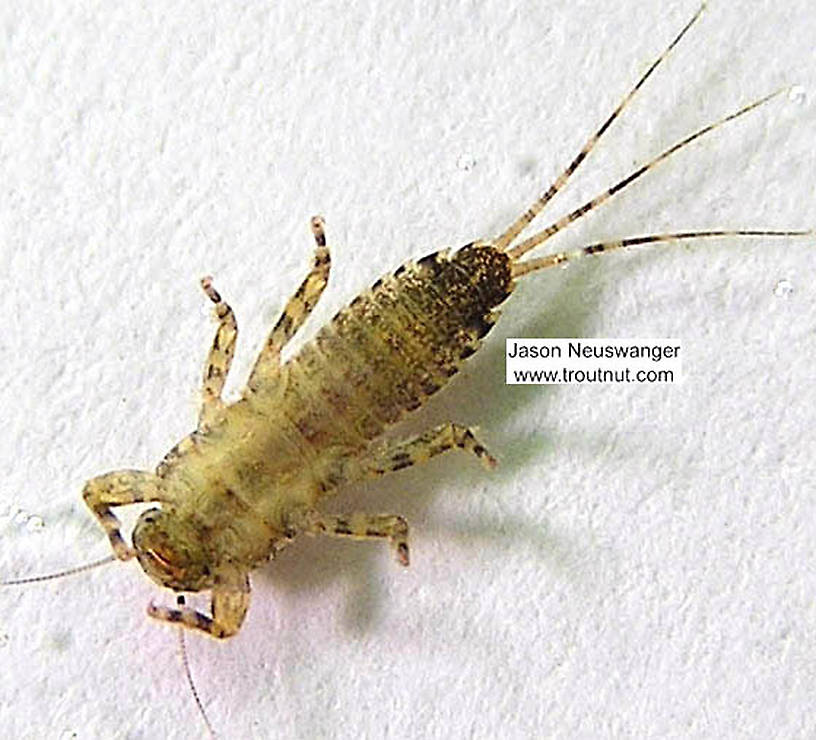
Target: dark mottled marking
point(480, 325)
point(429, 387)
point(341, 526)
point(284, 324)
point(433, 262)
point(488, 271)
point(333, 477)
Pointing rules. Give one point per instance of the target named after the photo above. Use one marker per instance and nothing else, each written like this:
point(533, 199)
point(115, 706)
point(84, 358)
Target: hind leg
point(296, 311)
point(419, 449)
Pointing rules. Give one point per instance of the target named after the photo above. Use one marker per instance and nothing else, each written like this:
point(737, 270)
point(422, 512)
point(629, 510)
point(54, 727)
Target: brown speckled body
point(302, 434)
point(250, 478)
point(392, 347)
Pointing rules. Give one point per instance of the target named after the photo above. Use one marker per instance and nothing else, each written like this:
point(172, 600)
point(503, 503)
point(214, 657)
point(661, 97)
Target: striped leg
point(219, 360)
point(427, 445)
point(120, 489)
point(229, 605)
point(359, 526)
point(503, 241)
point(296, 311)
point(551, 260)
point(543, 235)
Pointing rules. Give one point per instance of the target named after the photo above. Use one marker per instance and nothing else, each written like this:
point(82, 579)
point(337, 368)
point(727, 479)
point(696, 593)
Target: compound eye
point(156, 555)
point(166, 565)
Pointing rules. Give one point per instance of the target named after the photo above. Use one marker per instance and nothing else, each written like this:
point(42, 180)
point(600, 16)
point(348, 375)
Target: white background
point(642, 562)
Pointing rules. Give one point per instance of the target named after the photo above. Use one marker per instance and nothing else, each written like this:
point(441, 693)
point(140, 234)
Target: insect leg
point(551, 260)
point(119, 489)
point(543, 235)
point(229, 605)
point(219, 360)
point(425, 446)
point(296, 311)
point(524, 220)
point(359, 526)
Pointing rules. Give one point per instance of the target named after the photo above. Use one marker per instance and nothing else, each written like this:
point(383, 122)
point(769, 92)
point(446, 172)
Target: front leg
point(296, 311)
point(120, 489)
point(229, 604)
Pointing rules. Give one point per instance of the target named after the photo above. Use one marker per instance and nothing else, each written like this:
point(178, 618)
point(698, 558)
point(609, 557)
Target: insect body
point(250, 478)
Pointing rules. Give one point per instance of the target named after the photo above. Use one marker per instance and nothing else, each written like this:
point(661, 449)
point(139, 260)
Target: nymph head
point(170, 552)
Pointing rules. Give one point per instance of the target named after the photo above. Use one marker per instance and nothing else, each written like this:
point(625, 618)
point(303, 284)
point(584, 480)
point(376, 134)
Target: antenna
point(60, 574)
point(186, 663)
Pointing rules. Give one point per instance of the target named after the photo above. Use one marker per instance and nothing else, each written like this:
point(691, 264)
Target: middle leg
point(219, 360)
point(360, 526)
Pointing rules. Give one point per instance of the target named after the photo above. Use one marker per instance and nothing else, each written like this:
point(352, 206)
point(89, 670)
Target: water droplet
point(465, 162)
point(4, 638)
point(797, 95)
point(35, 523)
point(783, 289)
point(19, 517)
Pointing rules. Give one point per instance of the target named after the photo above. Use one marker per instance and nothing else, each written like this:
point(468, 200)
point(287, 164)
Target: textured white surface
point(642, 563)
